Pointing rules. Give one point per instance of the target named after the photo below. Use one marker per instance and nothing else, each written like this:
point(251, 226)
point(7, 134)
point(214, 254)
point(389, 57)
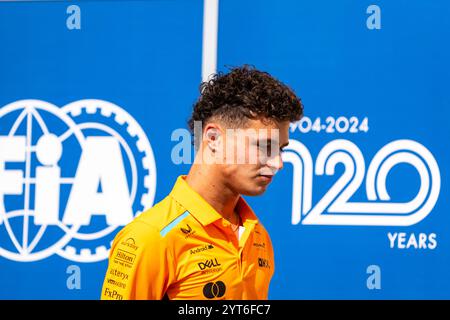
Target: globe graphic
point(47, 150)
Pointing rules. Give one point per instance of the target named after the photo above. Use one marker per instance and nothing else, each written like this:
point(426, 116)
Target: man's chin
point(259, 190)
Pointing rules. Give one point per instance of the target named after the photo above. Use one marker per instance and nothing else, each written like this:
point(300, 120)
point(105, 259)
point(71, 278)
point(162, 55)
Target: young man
point(203, 241)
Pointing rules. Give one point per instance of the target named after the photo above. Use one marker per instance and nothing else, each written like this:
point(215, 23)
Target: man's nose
point(275, 163)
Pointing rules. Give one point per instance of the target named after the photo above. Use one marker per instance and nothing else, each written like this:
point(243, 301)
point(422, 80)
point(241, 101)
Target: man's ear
point(212, 135)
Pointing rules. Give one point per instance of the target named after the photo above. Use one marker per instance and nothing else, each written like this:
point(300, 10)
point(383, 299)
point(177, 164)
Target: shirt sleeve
point(140, 266)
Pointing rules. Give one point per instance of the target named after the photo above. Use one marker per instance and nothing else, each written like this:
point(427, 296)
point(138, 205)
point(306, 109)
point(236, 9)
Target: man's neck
point(207, 183)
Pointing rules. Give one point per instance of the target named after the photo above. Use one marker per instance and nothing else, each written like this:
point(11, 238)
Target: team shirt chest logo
point(187, 231)
point(213, 290)
point(210, 263)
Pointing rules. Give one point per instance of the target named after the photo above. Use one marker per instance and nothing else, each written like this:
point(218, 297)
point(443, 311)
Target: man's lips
point(266, 177)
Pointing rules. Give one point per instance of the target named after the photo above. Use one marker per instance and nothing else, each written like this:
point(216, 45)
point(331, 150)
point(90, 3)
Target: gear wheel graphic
point(104, 116)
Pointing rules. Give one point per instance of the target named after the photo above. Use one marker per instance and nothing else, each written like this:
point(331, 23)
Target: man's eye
point(265, 148)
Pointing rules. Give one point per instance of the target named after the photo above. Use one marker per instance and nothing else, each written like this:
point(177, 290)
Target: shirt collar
point(202, 210)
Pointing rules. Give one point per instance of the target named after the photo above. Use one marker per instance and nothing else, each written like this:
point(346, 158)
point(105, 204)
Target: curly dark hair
point(245, 93)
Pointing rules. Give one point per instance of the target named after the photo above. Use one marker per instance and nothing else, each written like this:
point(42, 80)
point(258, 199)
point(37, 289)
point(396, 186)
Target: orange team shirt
point(183, 249)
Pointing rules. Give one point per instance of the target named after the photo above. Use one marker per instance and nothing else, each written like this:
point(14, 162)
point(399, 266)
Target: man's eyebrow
point(270, 141)
point(267, 140)
point(284, 145)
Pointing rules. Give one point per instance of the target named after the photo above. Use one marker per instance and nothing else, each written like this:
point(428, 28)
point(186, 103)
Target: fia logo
point(70, 177)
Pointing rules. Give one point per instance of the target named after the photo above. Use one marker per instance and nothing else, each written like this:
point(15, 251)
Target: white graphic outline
point(334, 208)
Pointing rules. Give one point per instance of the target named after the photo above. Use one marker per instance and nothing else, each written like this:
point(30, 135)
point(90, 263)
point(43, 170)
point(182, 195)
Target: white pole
point(210, 33)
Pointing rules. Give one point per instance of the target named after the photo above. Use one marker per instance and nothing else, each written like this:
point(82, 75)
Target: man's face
point(251, 156)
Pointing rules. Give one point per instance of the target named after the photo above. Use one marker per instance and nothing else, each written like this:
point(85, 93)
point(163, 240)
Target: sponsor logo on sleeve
point(130, 243)
point(119, 274)
point(113, 294)
point(124, 258)
point(116, 283)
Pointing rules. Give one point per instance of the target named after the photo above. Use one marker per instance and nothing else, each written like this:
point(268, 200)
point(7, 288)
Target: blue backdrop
point(359, 211)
